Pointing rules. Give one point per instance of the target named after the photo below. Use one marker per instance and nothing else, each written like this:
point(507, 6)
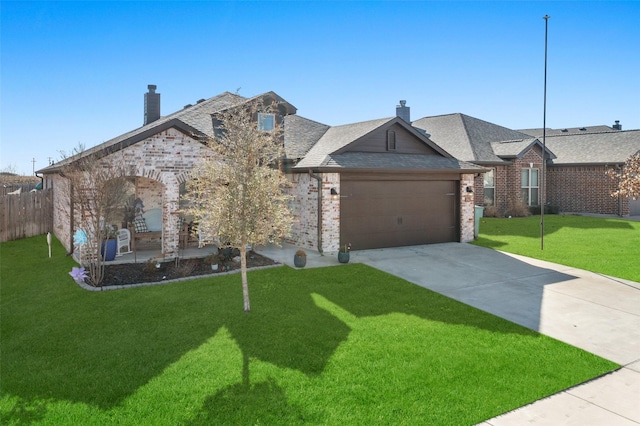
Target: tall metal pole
point(544, 138)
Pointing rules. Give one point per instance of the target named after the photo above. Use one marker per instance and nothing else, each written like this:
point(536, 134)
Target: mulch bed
point(147, 272)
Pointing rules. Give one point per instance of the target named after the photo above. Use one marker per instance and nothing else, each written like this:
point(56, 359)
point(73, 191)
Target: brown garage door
point(375, 214)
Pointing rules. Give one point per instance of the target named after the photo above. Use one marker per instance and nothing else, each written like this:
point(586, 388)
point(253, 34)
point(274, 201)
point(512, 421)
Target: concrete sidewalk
point(594, 312)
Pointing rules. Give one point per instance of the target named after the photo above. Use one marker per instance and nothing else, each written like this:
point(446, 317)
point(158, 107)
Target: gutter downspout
point(319, 226)
point(41, 179)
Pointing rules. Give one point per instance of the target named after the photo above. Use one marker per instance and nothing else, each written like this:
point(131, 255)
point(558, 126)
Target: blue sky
point(76, 72)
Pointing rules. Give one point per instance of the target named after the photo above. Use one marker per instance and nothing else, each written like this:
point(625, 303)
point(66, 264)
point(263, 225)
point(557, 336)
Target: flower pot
point(343, 256)
point(214, 266)
point(299, 261)
point(108, 250)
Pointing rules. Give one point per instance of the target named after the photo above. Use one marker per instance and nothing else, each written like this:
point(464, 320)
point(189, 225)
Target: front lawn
point(607, 246)
point(339, 345)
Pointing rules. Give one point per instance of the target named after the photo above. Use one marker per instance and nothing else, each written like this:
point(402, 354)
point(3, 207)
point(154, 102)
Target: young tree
point(236, 195)
point(97, 190)
point(628, 178)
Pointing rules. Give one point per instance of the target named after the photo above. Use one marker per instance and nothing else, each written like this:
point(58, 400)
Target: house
point(576, 162)
point(379, 183)
point(514, 159)
point(576, 180)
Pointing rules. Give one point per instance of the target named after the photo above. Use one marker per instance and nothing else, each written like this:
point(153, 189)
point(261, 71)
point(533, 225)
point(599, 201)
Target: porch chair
point(124, 241)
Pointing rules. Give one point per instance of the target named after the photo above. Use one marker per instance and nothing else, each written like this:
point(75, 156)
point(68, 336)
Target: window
point(391, 140)
point(266, 122)
point(530, 187)
point(489, 188)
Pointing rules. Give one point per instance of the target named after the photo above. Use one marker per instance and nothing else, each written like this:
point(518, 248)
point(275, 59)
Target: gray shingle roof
point(336, 138)
point(196, 117)
point(467, 138)
point(390, 161)
point(516, 149)
point(594, 148)
point(568, 131)
point(300, 135)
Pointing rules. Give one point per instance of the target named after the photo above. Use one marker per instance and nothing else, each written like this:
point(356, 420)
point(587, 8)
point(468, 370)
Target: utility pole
point(543, 179)
point(33, 166)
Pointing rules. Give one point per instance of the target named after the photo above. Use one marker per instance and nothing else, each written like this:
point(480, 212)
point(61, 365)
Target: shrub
point(548, 209)
point(150, 266)
point(212, 259)
point(301, 253)
point(185, 269)
point(490, 211)
point(518, 209)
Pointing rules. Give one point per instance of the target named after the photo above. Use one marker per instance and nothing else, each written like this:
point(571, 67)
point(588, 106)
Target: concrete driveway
point(597, 313)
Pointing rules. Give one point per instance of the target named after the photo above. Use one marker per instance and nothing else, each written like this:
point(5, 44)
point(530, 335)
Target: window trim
point(484, 183)
point(262, 120)
point(529, 187)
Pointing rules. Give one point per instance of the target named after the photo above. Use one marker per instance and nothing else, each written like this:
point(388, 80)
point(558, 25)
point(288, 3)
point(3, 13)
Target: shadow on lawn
point(120, 340)
point(246, 404)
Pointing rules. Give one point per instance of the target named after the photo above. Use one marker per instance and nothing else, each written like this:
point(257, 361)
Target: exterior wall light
point(334, 194)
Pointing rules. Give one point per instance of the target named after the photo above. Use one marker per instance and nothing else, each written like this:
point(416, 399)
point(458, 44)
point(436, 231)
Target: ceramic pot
point(300, 261)
point(343, 256)
point(109, 249)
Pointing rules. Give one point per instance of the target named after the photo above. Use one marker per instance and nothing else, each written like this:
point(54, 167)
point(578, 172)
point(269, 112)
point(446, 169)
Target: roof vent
point(200, 101)
point(187, 106)
point(564, 130)
point(403, 111)
point(582, 129)
point(617, 126)
point(151, 105)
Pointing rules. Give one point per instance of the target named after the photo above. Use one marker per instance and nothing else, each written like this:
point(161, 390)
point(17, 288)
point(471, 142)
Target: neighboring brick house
point(514, 159)
point(576, 179)
point(577, 159)
point(329, 168)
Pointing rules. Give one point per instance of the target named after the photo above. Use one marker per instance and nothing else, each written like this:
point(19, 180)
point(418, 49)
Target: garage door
point(376, 213)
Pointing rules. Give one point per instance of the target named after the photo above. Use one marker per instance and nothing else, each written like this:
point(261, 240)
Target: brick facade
point(160, 164)
point(508, 183)
point(584, 189)
point(304, 209)
point(467, 208)
point(574, 189)
point(61, 209)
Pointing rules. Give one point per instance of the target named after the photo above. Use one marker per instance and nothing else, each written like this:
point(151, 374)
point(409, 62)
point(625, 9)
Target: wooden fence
point(26, 215)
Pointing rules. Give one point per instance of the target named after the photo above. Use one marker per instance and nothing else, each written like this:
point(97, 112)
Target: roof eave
point(125, 143)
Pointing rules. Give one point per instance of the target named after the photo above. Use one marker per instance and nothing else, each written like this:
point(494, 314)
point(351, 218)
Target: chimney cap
point(152, 87)
point(403, 103)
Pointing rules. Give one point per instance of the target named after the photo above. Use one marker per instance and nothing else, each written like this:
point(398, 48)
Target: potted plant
point(300, 259)
point(343, 255)
point(213, 260)
point(109, 245)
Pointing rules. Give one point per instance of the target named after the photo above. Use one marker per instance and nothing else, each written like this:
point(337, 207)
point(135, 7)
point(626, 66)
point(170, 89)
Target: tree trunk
point(243, 272)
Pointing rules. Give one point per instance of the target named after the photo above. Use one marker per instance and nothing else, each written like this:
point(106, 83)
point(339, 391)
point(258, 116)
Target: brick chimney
point(617, 126)
point(403, 111)
point(151, 105)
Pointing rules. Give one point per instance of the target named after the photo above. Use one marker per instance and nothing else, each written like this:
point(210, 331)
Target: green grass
point(339, 345)
point(607, 246)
